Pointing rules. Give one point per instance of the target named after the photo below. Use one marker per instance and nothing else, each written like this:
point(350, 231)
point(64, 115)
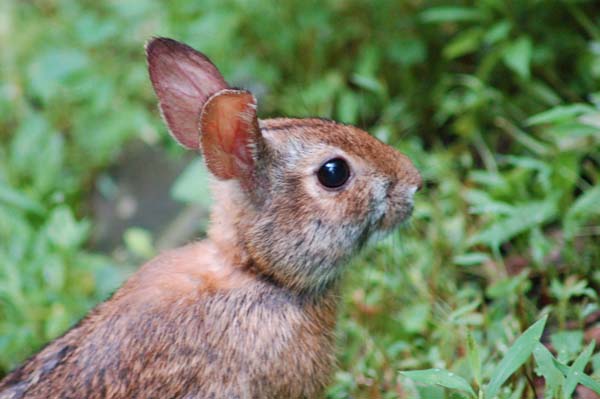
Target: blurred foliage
point(497, 102)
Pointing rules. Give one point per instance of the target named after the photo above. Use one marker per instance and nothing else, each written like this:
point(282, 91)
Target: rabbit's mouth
point(391, 220)
point(399, 208)
point(386, 224)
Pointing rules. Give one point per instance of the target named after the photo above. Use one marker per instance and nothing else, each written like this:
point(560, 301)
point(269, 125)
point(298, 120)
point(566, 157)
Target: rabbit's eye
point(334, 173)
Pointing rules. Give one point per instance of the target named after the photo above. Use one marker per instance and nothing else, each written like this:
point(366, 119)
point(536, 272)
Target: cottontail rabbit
point(250, 311)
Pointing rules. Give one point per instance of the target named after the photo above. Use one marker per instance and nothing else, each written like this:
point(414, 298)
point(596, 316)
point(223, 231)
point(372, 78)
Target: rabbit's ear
point(230, 135)
point(183, 80)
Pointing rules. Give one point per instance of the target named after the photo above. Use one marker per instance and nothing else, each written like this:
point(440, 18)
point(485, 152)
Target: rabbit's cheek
point(379, 200)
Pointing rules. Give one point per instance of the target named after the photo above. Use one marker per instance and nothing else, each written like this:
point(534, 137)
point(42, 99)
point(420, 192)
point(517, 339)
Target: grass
point(498, 104)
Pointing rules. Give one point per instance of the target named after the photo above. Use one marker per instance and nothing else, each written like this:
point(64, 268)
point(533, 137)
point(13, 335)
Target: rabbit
point(250, 311)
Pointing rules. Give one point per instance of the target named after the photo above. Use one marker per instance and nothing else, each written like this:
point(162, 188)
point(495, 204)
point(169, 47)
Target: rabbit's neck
point(228, 211)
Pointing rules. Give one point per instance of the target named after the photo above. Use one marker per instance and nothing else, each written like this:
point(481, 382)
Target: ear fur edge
point(183, 80)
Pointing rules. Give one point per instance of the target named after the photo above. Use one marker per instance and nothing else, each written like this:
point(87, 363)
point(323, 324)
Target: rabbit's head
point(297, 196)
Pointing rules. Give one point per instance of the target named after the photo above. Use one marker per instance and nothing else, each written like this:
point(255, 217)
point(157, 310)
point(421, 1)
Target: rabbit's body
point(186, 325)
point(250, 311)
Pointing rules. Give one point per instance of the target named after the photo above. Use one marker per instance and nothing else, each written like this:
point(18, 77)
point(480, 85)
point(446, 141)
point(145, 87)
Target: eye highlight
point(334, 173)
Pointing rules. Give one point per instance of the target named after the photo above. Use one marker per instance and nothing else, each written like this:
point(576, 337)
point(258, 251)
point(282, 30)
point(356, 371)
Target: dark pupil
point(333, 173)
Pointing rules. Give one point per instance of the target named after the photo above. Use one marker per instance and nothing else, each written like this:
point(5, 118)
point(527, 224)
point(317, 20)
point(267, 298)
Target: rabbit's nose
point(406, 173)
point(411, 176)
point(419, 182)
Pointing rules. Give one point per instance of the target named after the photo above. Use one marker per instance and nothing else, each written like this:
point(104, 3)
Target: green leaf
point(37, 153)
point(482, 203)
point(193, 185)
point(517, 56)
point(491, 180)
point(471, 259)
point(348, 107)
point(63, 230)
point(369, 83)
point(545, 367)
point(408, 51)
point(440, 377)
point(577, 369)
point(93, 31)
point(18, 200)
point(474, 358)
point(463, 311)
point(518, 391)
point(581, 210)
point(57, 321)
point(497, 32)
point(583, 379)
point(515, 357)
point(522, 218)
point(139, 242)
point(451, 14)
point(509, 287)
point(540, 245)
point(571, 134)
point(415, 317)
point(572, 287)
point(51, 68)
point(464, 43)
point(54, 273)
point(559, 113)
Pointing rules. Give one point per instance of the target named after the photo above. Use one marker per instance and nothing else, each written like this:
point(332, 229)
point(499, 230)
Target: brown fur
point(168, 334)
point(250, 311)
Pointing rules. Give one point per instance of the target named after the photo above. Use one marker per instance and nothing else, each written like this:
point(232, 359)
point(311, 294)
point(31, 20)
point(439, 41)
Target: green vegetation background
point(497, 102)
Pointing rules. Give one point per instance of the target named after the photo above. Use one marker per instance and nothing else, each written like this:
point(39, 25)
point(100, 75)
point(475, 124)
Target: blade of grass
point(545, 366)
point(583, 379)
point(440, 377)
point(516, 356)
point(577, 369)
point(474, 358)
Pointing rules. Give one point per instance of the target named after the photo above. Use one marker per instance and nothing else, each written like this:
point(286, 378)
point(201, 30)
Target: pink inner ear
point(183, 80)
point(229, 133)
